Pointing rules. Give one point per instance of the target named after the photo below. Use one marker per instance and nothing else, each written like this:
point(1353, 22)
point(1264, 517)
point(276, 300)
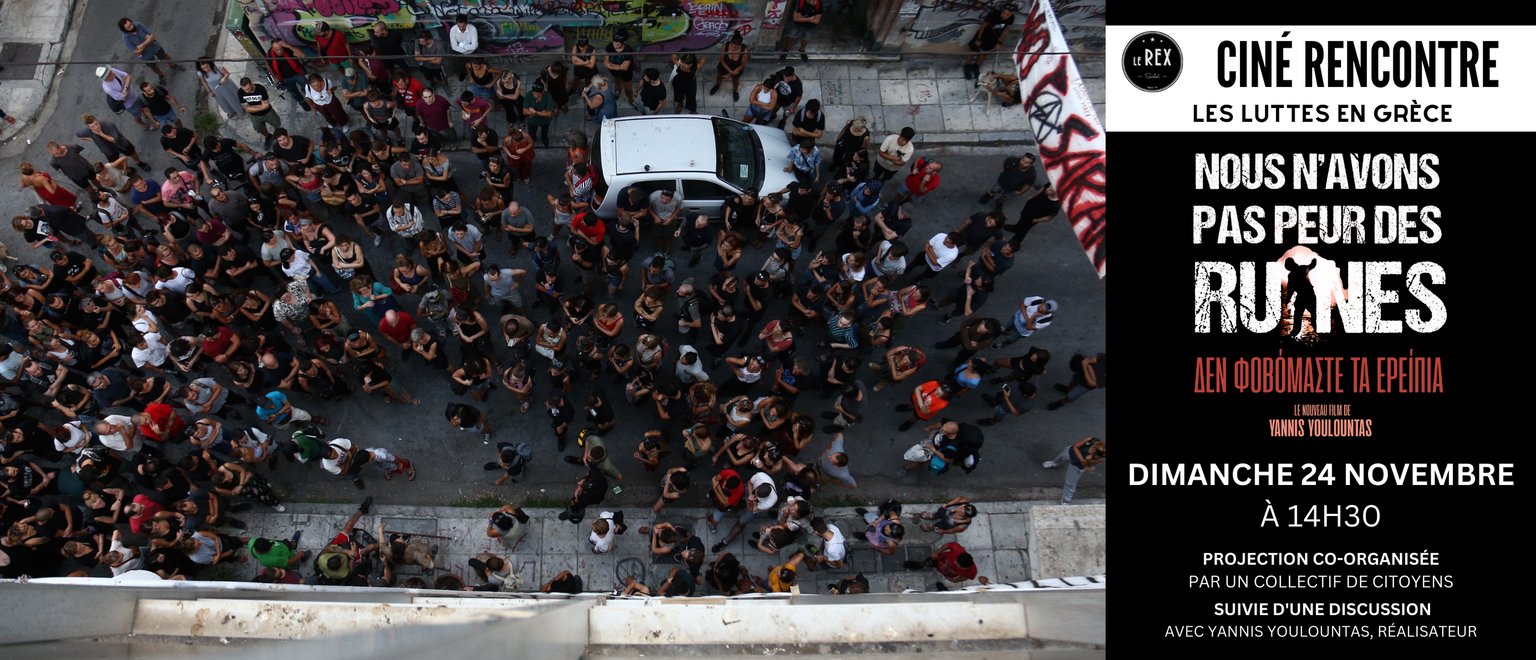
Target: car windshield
point(739, 154)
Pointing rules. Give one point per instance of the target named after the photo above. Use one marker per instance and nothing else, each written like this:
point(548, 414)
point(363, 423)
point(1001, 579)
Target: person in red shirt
point(396, 326)
point(159, 422)
point(928, 399)
point(589, 226)
point(332, 45)
point(220, 344)
point(474, 111)
point(141, 510)
point(924, 179)
point(407, 92)
point(725, 492)
point(952, 562)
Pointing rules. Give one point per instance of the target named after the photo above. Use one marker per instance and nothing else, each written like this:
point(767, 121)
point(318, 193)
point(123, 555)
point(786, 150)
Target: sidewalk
point(31, 31)
point(952, 117)
point(1011, 541)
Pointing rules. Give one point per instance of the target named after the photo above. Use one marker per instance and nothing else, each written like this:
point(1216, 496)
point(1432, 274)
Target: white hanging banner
point(1061, 115)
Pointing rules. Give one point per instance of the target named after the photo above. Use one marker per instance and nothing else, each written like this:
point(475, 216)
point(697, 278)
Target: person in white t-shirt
point(605, 531)
point(830, 548)
point(762, 496)
point(895, 152)
point(941, 251)
point(150, 353)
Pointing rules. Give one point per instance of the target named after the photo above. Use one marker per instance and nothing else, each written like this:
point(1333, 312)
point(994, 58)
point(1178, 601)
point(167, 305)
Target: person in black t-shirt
point(561, 412)
point(988, 36)
point(790, 88)
point(808, 123)
point(296, 150)
point(1039, 209)
point(1017, 177)
point(653, 94)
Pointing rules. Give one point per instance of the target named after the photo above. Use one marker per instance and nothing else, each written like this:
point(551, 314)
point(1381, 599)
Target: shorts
point(269, 119)
point(623, 76)
point(296, 415)
point(798, 30)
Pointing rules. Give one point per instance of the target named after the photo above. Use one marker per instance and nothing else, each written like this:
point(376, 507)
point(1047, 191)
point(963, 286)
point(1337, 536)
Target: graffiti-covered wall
point(950, 24)
point(526, 26)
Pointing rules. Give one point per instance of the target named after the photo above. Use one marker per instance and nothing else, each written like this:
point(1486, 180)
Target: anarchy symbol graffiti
point(1045, 116)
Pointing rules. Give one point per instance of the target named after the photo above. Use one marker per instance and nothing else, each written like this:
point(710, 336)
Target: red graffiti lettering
point(1069, 145)
point(341, 7)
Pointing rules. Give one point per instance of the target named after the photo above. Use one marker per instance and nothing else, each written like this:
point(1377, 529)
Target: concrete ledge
point(681, 623)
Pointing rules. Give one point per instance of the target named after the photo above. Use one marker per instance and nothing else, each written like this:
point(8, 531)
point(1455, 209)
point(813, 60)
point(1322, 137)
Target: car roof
point(681, 143)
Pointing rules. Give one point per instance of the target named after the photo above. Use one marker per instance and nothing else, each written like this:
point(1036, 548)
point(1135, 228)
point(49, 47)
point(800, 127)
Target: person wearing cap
point(895, 152)
point(620, 64)
point(1035, 313)
point(122, 95)
point(353, 87)
point(429, 57)
point(146, 46)
point(538, 114)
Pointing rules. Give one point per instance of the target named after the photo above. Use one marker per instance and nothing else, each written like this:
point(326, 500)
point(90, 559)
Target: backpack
point(522, 454)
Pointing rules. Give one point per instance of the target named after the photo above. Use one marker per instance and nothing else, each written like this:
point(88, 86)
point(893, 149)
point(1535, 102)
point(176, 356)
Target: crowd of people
point(160, 362)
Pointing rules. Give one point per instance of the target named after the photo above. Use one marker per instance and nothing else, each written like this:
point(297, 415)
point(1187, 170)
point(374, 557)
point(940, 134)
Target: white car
point(705, 159)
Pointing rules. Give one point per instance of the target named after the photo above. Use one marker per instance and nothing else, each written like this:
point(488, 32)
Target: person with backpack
point(508, 525)
point(512, 459)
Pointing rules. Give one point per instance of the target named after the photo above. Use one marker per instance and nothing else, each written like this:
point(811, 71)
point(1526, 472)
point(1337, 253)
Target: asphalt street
point(450, 462)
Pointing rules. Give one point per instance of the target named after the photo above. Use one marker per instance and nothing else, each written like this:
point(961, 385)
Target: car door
point(705, 196)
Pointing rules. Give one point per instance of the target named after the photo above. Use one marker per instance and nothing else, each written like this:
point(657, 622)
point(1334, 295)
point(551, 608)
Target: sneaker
point(1050, 465)
point(912, 565)
point(366, 505)
point(714, 90)
point(486, 439)
point(783, 56)
point(736, 96)
point(716, 548)
point(997, 344)
point(985, 422)
point(879, 386)
point(564, 515)
point(939, 586)
point(829, 415)
point(860, 510)
point(293, 541)
point(804, 57)
point(947, 319)
point(378, 240)
point(573, 460)
point(1054, 405)
point(359, 484)
point(985, 198)
point(1062, 388)
point(279, 508)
